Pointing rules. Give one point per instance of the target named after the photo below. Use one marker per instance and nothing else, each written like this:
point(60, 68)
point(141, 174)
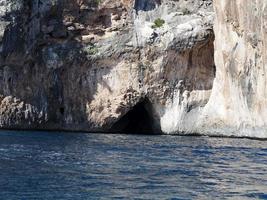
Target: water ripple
point(40, 165)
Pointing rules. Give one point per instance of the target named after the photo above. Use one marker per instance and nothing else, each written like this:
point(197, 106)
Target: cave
point(138, 120)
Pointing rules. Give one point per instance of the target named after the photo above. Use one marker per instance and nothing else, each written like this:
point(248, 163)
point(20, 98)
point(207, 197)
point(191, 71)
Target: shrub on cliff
point(158, 23)
point(91, 49)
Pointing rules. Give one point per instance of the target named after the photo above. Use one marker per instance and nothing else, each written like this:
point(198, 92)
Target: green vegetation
point(97, 1)
point(158, 23)
point(91, 49)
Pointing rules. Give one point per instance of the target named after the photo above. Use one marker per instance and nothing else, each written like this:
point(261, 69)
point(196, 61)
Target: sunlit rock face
point(83, 65)
point(90, 65)
point(238, 104)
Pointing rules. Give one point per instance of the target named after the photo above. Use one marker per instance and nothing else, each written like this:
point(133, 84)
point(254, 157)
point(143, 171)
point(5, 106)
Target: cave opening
point(138, 120)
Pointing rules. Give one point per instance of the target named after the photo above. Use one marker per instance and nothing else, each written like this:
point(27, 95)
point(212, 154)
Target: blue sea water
point(42, 165)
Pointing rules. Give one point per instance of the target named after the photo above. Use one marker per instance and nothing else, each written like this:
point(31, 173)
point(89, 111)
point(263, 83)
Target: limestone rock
point(88, 65)
point(238, 104)
point(83, 65)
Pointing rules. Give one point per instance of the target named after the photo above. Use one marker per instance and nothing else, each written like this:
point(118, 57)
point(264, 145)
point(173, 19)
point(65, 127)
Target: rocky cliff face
point(83, 65)
point(238, 104)
point(132, 65)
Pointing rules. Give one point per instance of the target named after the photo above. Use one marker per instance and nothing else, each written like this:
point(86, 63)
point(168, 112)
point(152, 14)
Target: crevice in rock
point(146, 5)
point(138, 120)
point(62, 110)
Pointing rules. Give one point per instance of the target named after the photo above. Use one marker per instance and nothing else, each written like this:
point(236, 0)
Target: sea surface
point(78, 166)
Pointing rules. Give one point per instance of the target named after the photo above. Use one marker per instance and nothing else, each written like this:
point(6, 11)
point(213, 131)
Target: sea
point(80, 166)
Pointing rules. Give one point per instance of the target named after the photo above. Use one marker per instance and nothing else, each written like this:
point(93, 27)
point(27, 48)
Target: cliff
point(133, 66)
point(238, 104)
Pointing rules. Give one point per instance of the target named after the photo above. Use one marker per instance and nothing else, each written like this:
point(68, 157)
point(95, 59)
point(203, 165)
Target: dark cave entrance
point(136, 121)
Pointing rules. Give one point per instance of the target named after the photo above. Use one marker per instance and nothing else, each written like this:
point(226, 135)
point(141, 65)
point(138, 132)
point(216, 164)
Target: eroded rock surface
point(96, 65)
point(84, 64)
point(238, 104)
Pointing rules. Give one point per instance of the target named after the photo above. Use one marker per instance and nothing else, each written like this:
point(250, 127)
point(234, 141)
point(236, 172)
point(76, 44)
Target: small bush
point(91, 49)
point(97, 1)
point(158, 23)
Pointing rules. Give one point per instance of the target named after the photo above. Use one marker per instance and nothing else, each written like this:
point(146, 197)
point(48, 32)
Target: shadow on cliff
point(49, 68)
point(44, 64)
point(146, 5)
